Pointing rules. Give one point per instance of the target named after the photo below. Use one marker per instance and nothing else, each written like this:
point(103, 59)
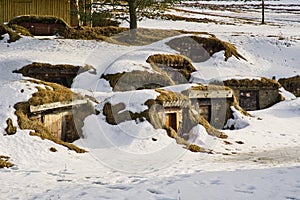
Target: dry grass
point(13, 36)
point(142, 36)
point(263, 82)
point(10, 129)
point(21, 30)
point(200, 87)
point(4, 163)
point(173, 134)
point(53, 93)
point(210, 129)
point(181, 141)
point(179, 62)
point(291, 84)
point(89, 33)
point(188, 19)
point(45, 67)
point(210, 44)
point(196, 148)
point(169, 96)
point(118, 35)
point(37, 19)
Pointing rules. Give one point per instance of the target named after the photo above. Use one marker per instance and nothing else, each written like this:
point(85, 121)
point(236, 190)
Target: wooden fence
point(58, 8)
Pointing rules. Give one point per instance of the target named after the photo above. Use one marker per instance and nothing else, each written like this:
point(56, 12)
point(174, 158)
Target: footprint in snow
point(216, 182)
point(119, 187)
point(155, 191)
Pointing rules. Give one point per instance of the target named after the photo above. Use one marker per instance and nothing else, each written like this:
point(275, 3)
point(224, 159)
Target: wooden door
point(171, 120)
point(54, 124)
point(69, 132)
point(205, 111)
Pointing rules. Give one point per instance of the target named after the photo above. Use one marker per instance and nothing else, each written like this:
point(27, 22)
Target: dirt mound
point(180, 63)
point(128, 81)
point(40, 25)
point(91, 33)
point(62, 74)
point(291, 84)
point(200, 49)
point(258, 83)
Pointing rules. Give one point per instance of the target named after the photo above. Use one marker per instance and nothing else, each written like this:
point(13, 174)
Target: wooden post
point(263, 11)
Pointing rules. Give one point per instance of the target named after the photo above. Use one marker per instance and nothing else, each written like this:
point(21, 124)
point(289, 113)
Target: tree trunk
point(263, 11)
point(132, 14)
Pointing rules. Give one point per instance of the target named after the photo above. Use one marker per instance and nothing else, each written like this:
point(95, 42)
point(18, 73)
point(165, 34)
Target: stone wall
point(266, 97)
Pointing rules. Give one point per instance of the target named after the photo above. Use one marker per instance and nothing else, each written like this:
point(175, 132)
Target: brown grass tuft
point(210, 129)
point(13, 36)
point(4, 163)
point(21, 30)
point(196, 148)
point(188, 19)
point(45, 67)
point(263, 82)
point(52, 149)
point(37, 19)
point(10, 129)
point(210, 44)
point(179, 62)
point(200, 87)
point(291, 84)
point(89, 33)
point(169, 96)
point(53, 93)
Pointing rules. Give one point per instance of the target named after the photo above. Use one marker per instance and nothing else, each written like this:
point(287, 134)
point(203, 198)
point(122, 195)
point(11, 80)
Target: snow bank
point(239, 120)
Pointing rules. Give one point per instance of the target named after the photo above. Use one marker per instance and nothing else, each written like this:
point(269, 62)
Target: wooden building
point(64, 9)
point(59, 118)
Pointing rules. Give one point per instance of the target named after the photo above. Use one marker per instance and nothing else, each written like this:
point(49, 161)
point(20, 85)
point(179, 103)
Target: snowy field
point(123, 162)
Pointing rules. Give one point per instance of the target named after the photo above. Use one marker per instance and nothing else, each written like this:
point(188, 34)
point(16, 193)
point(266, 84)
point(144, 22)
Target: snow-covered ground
point(262, 160)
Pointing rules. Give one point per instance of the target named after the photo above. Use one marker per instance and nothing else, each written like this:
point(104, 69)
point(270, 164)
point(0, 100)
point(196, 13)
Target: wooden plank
point(54, 124)
point(197, 94)
point(56, 105)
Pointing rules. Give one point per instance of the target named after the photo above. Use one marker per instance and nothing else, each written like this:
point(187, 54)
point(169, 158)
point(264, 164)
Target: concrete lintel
point(56, 105)
point(200, 94)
